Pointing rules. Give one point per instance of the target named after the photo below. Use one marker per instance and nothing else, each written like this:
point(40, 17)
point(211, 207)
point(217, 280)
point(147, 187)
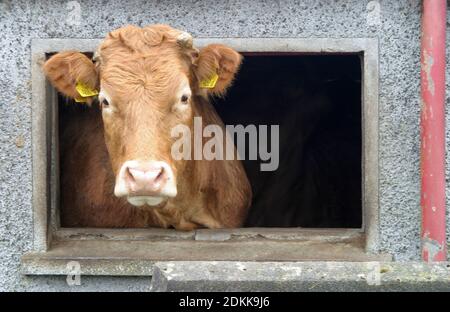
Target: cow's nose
point(152, 178)
point(145, 179)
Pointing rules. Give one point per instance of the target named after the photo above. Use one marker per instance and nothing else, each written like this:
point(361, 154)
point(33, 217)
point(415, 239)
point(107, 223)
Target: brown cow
point(118, 156)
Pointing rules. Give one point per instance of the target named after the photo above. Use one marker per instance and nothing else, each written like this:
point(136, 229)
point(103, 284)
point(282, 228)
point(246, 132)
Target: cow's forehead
point(164, 61)
point(145, 60)
point(158, 76)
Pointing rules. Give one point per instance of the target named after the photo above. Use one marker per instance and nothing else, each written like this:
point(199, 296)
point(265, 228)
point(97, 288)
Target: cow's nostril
point(129, 175)
point(160, 174)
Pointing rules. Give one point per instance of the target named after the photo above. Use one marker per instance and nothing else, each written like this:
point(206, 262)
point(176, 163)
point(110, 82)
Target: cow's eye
point(184, 99)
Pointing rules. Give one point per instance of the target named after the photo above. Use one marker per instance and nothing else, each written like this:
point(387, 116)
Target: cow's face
point(146, 79)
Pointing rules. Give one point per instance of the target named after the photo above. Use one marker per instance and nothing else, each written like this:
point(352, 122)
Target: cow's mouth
point(152, 201)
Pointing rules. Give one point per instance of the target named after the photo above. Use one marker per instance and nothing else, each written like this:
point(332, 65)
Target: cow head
point(147, 80)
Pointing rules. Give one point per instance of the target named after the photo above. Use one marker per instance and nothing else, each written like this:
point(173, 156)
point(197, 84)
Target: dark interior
point(316, 101)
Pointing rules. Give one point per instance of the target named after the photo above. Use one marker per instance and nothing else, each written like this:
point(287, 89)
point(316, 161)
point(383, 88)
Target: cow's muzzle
point(145, 182)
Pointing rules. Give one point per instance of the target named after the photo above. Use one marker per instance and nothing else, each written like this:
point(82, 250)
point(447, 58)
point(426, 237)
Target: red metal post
point(434, 245)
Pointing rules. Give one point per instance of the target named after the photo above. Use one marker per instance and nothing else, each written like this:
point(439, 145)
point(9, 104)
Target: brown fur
point(87, 180)
point(142, 68)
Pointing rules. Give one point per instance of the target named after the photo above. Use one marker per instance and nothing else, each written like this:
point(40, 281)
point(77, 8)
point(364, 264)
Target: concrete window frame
point(135, 251)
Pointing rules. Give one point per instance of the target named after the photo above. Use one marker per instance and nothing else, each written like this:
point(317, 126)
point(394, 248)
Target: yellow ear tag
point(85, 91)
point(209, 83)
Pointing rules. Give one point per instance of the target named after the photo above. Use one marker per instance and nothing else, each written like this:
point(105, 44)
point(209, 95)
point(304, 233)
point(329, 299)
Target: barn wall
point(397, 29)
point(447, 123)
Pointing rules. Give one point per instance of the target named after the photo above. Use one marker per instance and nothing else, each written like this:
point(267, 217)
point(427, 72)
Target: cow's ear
point(216, 67)
point(73, 74)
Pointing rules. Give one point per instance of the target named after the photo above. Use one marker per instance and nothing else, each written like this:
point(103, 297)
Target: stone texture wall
point(397, 27)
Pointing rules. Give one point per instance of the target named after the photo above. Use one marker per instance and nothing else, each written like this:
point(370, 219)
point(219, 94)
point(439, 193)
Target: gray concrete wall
point(398, 32)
